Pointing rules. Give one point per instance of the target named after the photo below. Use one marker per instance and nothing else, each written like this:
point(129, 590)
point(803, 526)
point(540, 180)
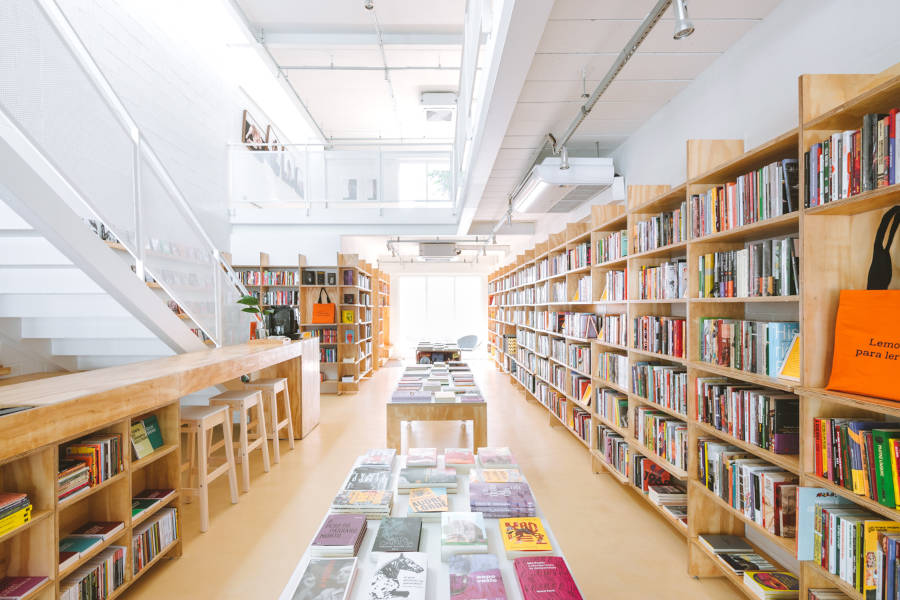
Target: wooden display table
point(397, 412)
point(437, 586)
point(109, 401)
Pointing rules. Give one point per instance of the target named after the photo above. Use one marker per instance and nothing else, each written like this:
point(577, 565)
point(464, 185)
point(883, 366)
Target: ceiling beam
point(284, 38)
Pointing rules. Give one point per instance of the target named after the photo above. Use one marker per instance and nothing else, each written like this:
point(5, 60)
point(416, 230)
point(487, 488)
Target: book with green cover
point(139, 505)
point(154, 434)
point(883, 450)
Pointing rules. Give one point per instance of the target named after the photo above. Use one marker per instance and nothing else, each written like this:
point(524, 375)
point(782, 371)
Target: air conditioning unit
point(549, 189)
point(438, 251)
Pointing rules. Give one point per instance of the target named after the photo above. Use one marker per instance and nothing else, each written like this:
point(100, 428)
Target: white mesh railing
point(55, 94)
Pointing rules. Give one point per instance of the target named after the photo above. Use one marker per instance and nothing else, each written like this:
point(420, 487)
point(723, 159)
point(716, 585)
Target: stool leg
point(273, 426)
point(203, 483)
point(192, 464)
point(243, 451)
point(229, 458)
point(261, 431)
point(290, 419)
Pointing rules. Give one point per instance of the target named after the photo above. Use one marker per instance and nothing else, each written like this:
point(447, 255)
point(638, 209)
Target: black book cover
point(398, 534)
point(826, 171)
point(791, 194)
point(806, 179)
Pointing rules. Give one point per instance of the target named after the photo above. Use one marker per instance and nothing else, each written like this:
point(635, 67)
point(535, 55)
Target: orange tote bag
point(867, 329)
point(323, 312)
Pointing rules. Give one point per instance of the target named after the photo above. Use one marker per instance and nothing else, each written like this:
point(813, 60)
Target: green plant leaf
point(251, 309)
point(249, 301)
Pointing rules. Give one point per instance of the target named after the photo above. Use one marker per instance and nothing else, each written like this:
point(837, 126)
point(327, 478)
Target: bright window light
point(423, 181)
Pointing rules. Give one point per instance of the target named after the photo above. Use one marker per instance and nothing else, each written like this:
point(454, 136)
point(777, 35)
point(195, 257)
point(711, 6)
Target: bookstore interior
point(450, 299)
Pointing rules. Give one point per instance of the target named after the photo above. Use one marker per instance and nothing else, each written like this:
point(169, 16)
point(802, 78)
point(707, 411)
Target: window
point(423, 181)
point(437, 307)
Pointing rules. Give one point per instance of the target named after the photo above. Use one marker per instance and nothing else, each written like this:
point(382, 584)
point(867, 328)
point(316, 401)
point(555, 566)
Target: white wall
point(176, 91)
point(750, 92)
point(22, 363)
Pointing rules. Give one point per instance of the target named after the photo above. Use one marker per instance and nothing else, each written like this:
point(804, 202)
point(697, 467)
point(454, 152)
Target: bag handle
point(327, 298)
point(880, 269)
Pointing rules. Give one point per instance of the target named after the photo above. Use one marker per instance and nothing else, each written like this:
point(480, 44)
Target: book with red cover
point(103, 529)
point(151, 494)
point(476, 577)
point(19, 587)
point(545, 577)
point(653, 474)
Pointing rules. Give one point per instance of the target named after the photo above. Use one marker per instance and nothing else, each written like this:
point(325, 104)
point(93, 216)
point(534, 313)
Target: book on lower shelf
point(475, 577)
point(17, 587)
point(15, 511)
point(772, 585)
point(463, 533)
point(326, 578)
point(73, 548)
point(102, 453)
point(405, 574)
point(98, 578)
point(102, 529)
point(524, 536)
point(153, 537)
point(542, 577)
point(73, 476)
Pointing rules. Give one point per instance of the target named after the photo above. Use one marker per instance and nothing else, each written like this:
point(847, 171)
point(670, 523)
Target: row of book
point(615, 286)
point(579, 358)
point(662, 335)
point(664, 281)
point(557, 290)
point(663, 229)
point(579, 256)
point(613, 367)
point(328, 355)
point(662, 434)
point(555, 401)
point(584, 289)
point(859, 455)
point(87, 462)
point(280, 297)
point(154, 537)
point(581, 423)
point(765, 193)
point(762, 417)
point(614, 448)
point(854, 161)
point(329, 335)
point(613, 328)
point(612, 247)
point(580, 388)
point(765, 579)
point(558, 349)
point(762, 492)
point(613, 407)
point(754, 346)
point(15, 511)
point(98, 578)
point(763, 268)
point(661, 384)
point(553, 265)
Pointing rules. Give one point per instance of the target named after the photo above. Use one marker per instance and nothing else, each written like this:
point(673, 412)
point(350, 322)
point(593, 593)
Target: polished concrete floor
point(617, 546)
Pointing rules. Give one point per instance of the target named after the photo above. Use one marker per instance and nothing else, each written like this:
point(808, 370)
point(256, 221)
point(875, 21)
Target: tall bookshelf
point(348, 350)
point(382, 299)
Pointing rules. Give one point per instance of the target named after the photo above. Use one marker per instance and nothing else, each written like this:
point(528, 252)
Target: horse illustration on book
point(386, 580)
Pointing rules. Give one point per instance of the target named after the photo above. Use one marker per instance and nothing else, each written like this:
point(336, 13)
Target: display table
point(437, 351)
point(438, 582)
point(397, 412)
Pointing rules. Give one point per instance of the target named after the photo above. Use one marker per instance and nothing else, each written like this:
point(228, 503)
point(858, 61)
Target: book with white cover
point(399, 575)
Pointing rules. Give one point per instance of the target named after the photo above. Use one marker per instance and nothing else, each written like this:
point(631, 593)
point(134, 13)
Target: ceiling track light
point(564, 159)
point(683, 25)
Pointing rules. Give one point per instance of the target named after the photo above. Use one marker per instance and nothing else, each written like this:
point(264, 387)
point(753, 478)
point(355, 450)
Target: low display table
point(397, 412)
point(437, 586)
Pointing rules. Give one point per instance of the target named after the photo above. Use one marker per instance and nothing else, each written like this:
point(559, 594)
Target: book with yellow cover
point(524, 536)
point(497, 476)
point(140, 441)
point(14, 520)
point(428, 503)
point(347, 316)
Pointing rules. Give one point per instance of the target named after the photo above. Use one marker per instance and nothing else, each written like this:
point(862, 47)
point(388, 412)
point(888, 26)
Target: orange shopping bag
point(323, 312)
point(867, 329)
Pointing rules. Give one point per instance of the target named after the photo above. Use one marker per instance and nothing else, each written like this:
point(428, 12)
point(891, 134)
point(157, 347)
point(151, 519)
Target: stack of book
point(410, 396)
point(15, 511)
point(737, 553)
point(461, 459)
point(524, 537)
point(154, 537)
point(326, 578)
point(421, 457)
point(667, 494)
point(101, 453)
point(827, 594)
point(428, 503)
point(98, 578)
point(462, 533)
point(398, 534)
point(422, 477)
point(501, 500)
point(146, 499)
point(496, 458)
point(339, 536)
point(73, 476)
point(378, 458)
point(772, 585)
point(15, 588)
point(470, 397)
point(374, 504)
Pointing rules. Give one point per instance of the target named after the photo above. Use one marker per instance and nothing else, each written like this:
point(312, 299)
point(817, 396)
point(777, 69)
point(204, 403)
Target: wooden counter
point(70, 405)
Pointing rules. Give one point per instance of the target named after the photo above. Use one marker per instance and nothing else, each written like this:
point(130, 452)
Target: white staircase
point(53, 311)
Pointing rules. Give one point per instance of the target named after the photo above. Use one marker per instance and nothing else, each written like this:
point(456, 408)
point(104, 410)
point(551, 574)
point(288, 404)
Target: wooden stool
point(242, 402)
point(198, 422)
point(270, 389)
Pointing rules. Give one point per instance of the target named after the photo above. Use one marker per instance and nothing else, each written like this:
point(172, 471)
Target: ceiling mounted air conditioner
point(438, 251)
point(549, 189)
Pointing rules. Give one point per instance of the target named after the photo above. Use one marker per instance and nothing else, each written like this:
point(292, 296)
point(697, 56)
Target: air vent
point(579, 195)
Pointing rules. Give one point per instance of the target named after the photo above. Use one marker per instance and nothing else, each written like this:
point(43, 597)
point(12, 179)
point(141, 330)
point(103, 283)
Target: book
point(772, 584)
point(369, 478)
point(725, 543)
point(475, 577)
point(463, 533)
point(140, 442)
point(339, 536)
point(103, 529)
point(72, 548)
point(502, 500)
point(541, 578)
point(461, 459)
point(739, 562)
point(16, 588)
point(378, 457)
point(139, 505)
point(401, 575)
point(499, 457)
point(326, 578)
point(524, 536)
point(497, 476)
point(375, 504)
point(428, 503)
point(419, 477)
point(155, 494)
point(398, 534)
point(421, 457)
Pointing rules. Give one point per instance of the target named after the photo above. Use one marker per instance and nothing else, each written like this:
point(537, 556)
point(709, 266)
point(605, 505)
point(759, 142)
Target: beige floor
point(618, 547)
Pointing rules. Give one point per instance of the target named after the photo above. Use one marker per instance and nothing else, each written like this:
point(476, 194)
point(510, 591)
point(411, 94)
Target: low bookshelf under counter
point(90, 465)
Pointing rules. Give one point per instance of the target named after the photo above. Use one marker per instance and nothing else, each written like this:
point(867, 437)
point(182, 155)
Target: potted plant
point(252, 306)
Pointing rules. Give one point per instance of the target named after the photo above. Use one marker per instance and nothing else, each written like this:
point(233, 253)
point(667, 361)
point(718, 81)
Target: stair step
point(47, 280)
point(28, 250)
point(60, 305)
point(90, 328)
point(107, 347)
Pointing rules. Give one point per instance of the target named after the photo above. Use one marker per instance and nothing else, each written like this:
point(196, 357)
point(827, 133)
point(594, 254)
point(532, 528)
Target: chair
point(198, 422)
point(467, 342)
point(243, 402)
point(270, 389)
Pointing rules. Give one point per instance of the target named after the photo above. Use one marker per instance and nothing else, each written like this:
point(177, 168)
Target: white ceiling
point(586, 36)
point(357, 103)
